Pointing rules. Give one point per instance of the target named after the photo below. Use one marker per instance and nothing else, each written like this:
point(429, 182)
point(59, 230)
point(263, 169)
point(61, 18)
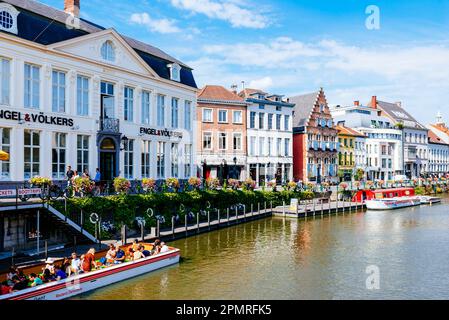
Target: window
point(207, 115)
point(252, 120)
point(5, 79)
point(286, 123)
point(174, 112)
point(278, 122)
point(107, 100)
point(146, 103)
point(222, 143)
point(8, 18)
point(145, 159)
point(261, 146)
point(160, 110)
point(129, 155)
point(160, 159)
point(82, 153)
point(108, 51)
point(237, 143)
point(32, 86)
point(222, 116)
point(252, 146)
point(207, 140)
point(5, 145)
point(279, 147)
point(237, 117)
point(58, 155)
point(129, 104)
point(270, 121)
point(82, 96)
point(270, 146)
point(188, 115)
point(174, 160)
point(187, 160)
point(261, 120)
point(31, 154)
point(58, 91)
point(287, 147)
point(175, 72)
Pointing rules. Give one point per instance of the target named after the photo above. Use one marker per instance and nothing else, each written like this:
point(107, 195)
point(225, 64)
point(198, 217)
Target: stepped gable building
point(269, 137)
point(75, 93)
point(315, 146)
point(415, 137)
point(221, 129)
point(438, 148)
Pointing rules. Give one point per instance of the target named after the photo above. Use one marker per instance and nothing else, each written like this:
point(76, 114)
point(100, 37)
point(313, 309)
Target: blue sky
point(292, 47)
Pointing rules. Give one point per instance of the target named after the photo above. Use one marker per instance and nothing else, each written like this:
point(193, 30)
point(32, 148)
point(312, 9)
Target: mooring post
point(198, 222)
point(236, 214)
point(227, 215)
point(218, 218)
point(158, 229)
point(208, 219)
point(46, 249)
point(187, 230)
point(283, 208)
point(322, 209)
point(173, 227)
point(314, 206)
point(142, 235)
point(258, 208)
point(252, 207)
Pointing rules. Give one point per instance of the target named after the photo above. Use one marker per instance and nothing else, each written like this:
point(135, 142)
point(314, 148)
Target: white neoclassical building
point(73, 93)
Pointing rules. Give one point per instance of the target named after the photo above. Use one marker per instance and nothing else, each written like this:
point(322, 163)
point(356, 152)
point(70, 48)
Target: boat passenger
point(146, 253)
point(60, 273)
point(48, 276)
point(65, 266)
point(89, 261)
point(156, 247)
point(110, 255)
point(120, 255)
point(81, 263)
point(50, 265)
point(164, 248)
point(12, 272)
point(35, 280)
point(138, 254)
point(75, 265)
point(5, 288)
point(19, 284)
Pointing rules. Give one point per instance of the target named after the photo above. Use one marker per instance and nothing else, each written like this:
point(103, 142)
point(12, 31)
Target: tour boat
point(429, 200)
point(364, 195)
point(392, 203)
point(89, 281)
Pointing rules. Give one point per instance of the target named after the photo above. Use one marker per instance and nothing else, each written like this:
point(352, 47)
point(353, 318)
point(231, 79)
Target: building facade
point(222, 123)
point(315, 146)
point(269, 137)
point(415, 137)
point(73, 93)
point(350, 155)
point(438, 148)
point(383, 143)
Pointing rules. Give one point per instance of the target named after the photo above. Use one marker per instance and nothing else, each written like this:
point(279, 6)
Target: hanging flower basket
point(234, 184)
point(172, 183)
point(194, 183)
point(121, 185)
point(40, 182)
point(149, 184)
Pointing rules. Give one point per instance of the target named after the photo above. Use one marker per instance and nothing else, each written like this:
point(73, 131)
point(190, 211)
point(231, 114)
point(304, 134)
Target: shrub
point(83, 185)
point(121, 185)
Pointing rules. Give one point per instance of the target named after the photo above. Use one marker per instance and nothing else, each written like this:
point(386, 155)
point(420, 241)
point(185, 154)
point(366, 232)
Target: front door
point(107, 166)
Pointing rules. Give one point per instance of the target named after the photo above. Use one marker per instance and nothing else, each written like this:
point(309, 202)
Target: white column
point(46, 88)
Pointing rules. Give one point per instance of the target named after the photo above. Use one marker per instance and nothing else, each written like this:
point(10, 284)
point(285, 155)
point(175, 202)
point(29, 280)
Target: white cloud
point(262, 83)
point(230, 11)
point(155, 25)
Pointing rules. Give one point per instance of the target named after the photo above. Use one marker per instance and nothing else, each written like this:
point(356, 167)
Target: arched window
point(8, 18)
point(107, 144)
point(175, 71)
point(108, 51)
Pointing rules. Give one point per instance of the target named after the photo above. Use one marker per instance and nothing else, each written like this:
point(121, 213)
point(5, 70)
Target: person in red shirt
point(4, 288)
point(89, 261)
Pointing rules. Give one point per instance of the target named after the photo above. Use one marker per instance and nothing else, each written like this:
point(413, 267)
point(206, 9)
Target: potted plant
point(212, 183)
point(121, 185)
point(83, 186)
point(172, 183)
point(234, 184)
point(40, 182)
point(194, 183)
point(149, 185)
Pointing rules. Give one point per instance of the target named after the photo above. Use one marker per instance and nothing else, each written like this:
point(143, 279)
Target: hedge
point(123, 209)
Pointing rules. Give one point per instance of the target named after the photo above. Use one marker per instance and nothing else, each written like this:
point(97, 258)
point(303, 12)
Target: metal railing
point(110, 125)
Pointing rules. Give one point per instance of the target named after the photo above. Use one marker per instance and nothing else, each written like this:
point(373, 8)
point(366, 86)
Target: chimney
point(234, 88)
point(72, 7)
point(399, 104)
point(357, 103)
point(374, 102)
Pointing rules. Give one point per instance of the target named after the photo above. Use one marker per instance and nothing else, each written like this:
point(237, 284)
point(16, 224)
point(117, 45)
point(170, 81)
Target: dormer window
point(8, 18)
point(108, 51)
point(175, 72)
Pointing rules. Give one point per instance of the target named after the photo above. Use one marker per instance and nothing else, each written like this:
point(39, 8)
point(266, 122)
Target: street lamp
point(124, 141)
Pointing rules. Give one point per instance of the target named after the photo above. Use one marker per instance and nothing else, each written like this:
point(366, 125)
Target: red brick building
point(315, 146)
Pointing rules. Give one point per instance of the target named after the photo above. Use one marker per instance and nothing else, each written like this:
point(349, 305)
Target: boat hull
point(429, 200)
point(96, 279)
point(392, 204)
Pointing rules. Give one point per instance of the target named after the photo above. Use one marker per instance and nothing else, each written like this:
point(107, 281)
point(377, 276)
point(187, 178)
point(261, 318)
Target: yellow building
point(346, 155)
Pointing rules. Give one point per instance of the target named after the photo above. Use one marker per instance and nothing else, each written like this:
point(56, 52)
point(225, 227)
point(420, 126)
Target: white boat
point(429, 200)
point(392, 203)
point(85, 282)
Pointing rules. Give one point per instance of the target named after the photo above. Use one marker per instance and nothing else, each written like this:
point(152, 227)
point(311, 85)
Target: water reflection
point(317, 258)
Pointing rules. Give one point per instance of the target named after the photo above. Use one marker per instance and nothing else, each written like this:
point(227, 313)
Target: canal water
point(322, 258)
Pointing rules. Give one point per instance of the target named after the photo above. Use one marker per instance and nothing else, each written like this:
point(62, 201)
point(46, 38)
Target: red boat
point(364, 195)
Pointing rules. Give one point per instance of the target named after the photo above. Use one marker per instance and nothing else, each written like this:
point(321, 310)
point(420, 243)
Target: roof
point(433, 138)
point(304, 105)
point(398, 114)
point(342, 130)
point(246, 93)
point(218, 93)
point(46, 25)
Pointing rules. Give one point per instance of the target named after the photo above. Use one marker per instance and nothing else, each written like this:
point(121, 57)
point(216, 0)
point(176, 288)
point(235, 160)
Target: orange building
point(221, 118)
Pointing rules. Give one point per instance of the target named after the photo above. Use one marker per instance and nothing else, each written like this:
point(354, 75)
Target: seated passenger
point(110, 255)
point(75, 265)
point(50, 265)
point(164, 247)
point(12, 272)
point(5, 288)
point(135, 245)
point(60, 273)
point(89, 261)
point(156, 247)
point(35, 280)
point(47, 276)
point(120, 255)
point(138, 254)
point(146, 253)
point(65, 266)
point(19, 284)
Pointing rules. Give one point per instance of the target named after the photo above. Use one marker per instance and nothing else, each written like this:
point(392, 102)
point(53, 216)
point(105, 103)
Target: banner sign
point(22, 192)
point(36, 118)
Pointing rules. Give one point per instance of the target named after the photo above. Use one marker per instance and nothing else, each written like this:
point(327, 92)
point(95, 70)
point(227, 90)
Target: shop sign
point(40, 118)
point(21, 192)
point(162, 133)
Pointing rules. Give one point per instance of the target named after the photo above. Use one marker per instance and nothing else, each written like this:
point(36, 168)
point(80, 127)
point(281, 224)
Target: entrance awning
point(4, 156)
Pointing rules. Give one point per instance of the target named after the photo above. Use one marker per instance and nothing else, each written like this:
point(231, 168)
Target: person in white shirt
point(75, 265)
point(164, 247)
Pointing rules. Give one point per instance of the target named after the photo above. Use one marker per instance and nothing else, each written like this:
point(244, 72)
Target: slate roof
point(303, 107)
point(398, 114)
point(219, 94)
point(46, 25)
